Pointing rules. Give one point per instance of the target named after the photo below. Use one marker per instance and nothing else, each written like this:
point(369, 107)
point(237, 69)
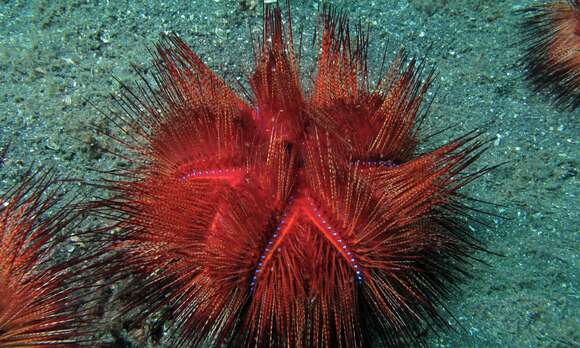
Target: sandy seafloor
point(56, 55)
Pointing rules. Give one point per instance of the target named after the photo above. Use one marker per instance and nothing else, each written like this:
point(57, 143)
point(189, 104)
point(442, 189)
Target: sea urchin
point(292, 218)
point(552, 59)
point(43, 301)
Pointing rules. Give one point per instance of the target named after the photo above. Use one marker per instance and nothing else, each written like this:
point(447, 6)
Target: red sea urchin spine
point(294, 219)
point(552, 59)
point(42, 301)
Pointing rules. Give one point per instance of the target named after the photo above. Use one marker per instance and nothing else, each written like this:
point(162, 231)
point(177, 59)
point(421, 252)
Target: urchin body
point(43, 301)
point(552, 57)
point(291, 219)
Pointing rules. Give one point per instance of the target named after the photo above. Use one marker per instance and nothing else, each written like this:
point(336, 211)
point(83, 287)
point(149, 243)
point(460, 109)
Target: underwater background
point(59, 57)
